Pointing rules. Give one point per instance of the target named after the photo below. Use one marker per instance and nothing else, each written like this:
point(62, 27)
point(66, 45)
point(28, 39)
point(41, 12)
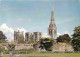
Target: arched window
point(51, 32)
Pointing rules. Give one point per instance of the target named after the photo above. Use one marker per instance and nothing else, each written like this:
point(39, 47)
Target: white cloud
point(58, 34)
point(65, 32)
point(9, 32)
point(22, 29)
point(45, 35)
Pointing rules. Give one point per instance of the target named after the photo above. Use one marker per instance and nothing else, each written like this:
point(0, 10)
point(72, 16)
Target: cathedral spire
point(52, 14)
point(52, 7)
point(52, 29)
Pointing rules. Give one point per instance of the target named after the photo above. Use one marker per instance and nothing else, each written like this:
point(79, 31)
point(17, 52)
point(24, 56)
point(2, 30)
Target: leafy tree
point(64, 38)
point(11, 47)
point(47, 44)
point(1, 48)
point(2, 37)
point(21, 38)
point(76, 39)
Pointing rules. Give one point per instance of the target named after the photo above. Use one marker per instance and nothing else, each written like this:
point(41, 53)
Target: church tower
point(52, 29)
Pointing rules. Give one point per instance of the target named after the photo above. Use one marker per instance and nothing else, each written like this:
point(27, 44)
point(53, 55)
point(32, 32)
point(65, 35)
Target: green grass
point(50, 54)
point(6, 55)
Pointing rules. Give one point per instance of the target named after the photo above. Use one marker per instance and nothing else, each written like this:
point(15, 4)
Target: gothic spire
point(52, 29)
point(52, 7)
point(52, 14)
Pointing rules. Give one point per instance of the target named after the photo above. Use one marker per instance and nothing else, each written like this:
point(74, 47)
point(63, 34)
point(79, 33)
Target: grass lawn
point(50, 54)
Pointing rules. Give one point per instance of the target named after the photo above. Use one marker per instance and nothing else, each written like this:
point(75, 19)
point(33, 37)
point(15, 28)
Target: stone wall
point(23, 46)
point(62, 48)
point(57, 47)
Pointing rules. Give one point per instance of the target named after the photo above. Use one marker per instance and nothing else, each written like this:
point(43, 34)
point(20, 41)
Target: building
point(28, 35)
point(52, 32)
point(16, 35)
point(52, 29)
point(37, 35)
point(32, 36)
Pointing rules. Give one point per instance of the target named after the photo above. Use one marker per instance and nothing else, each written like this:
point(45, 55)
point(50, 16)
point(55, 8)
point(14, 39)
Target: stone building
point(16, 35)
point(52, 29)
point(35, 35)
point(28, 35)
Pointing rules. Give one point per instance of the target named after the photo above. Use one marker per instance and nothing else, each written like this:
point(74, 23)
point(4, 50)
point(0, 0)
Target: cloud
point(65, 32)
point(58, 34)
point(22, 29)
point(9, 32)
point(45, 35)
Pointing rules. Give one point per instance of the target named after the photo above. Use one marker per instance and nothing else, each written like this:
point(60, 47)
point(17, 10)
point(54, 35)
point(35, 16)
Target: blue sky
point(35, 15)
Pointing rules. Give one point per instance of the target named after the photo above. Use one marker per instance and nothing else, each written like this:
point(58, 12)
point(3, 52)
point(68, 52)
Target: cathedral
point(52, 31)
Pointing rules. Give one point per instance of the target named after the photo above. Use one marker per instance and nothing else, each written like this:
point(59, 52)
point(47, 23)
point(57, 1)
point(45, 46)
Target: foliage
point(76, 32)
point(76, 43)
point(21, 38)
point(46, 43)
point(63, 43)
point(64, 38)
point(1, 48)
point(2, 37)
point(11, 47)
point(76, 39)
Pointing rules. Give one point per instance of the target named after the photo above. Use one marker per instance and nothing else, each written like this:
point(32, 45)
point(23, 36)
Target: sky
point(35, 15)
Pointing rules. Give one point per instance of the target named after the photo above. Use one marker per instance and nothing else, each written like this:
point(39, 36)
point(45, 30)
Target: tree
point(1, 50)
point(47, 44)
point(76, 39)
point(2, 37)
point(64, 38)
point(21, 38)
point(11, 47)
